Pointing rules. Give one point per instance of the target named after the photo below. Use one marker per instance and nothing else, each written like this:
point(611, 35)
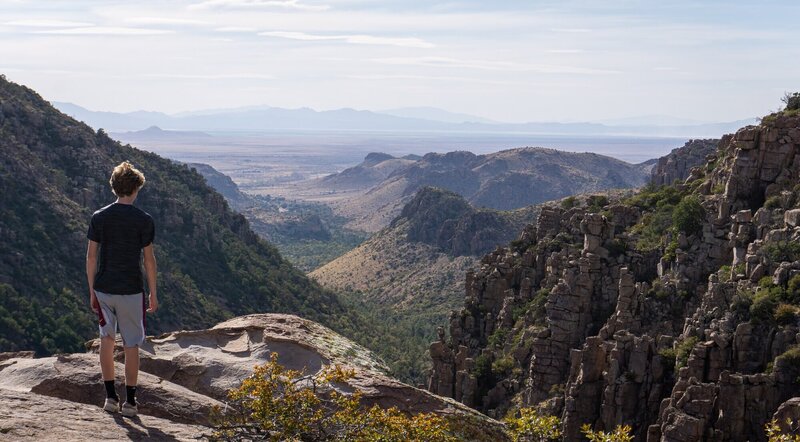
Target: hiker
point(120, 232)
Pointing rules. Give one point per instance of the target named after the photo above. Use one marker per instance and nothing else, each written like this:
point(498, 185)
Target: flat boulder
point(76, 378)
point(27, 416)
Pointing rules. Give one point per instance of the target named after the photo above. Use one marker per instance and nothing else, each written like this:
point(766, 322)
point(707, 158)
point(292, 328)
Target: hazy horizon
point(511, 62)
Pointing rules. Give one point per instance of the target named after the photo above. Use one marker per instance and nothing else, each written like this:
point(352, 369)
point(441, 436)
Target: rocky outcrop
point(26, 416)
point(444, 219)
point(185, 374)
point(581, 319)
point(677, 164)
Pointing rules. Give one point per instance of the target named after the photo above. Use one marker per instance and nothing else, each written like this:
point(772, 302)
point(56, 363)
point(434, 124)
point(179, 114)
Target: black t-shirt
point(122, 231)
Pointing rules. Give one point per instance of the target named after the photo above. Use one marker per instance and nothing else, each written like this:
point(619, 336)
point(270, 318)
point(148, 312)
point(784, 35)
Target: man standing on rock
point(120, 232)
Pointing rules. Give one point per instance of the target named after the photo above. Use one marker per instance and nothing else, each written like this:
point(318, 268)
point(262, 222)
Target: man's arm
point(150, 271)
point(91, 271)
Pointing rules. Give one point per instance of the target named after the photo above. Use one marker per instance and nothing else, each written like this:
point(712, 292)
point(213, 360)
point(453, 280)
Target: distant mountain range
point(265, 118)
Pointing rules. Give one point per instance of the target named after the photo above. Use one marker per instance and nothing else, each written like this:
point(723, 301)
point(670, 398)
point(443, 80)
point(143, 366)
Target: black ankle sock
point(130, 394)
point(111, 393)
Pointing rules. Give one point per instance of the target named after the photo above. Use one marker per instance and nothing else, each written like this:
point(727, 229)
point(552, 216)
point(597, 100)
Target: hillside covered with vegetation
point(54, 173)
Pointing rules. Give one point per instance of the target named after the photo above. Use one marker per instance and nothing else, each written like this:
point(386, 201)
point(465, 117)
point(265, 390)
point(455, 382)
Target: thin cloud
point(240, 76)
point(488, 65)
point(353, 39)
point(565, 51)
point(572, 30)
point(428, 77)
point(103, 30)
point(47, 23)
point(235, 29)
point(164, 21)
point(244, 4)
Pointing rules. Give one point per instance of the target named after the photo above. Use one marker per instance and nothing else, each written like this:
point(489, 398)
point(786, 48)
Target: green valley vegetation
point(307, 234)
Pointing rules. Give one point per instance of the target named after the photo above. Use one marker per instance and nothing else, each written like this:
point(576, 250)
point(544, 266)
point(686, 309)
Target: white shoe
point(111, 405)
point(129, 410)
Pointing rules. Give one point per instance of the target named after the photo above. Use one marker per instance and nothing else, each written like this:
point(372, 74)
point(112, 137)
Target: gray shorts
point(125, 311)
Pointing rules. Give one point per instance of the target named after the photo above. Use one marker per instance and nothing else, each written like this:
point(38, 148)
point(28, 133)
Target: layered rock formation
point(586, 319)
point(184, 374)
point(677, 165)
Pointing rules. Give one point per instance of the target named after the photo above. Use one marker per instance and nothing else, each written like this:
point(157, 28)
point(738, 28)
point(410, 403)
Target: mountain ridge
point(266, 118)
point(499, 180)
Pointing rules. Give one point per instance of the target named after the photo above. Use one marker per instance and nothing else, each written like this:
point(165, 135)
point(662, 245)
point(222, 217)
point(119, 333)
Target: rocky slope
point(675, 311)
point(185, 374)
point(680, 161)
point(412, 272)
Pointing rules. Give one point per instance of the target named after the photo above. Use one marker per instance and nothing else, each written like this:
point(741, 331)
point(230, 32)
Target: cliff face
point(680, 161)
point(674, 311)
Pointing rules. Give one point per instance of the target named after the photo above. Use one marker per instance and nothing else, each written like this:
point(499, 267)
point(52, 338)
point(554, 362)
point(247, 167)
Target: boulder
point(22, 419)
point(77, 378)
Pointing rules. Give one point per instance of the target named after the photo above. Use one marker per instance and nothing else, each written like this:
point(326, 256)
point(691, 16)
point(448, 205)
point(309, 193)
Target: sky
point(511, 61)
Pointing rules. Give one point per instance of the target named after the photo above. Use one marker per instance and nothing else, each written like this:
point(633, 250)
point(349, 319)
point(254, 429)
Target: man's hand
point(153, 302)
point(93, 302)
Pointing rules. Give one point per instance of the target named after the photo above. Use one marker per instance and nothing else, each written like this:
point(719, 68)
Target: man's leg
point(108, 331)
point(107, 357)
point(131, 366)
point(131, 327)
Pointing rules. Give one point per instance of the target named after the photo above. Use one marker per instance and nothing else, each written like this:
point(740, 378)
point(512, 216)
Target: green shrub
point(780, 251)
point(765, 282)
point(689, 215)
point(596, 203)
point(658, 290)
point(483, 366)
point(791, 355)
point(764, 304)
point(538, 305)
point(773, 202)
point(622, 433)
point(682, 351)
point(569, 202)
point(503, 365)
point(793, 290)
point(498, 337)
point(785, 314)
point(792, 101)
point(669, 356)
point(530, 426)
point(652, 197)
point(775, 434)
point(741, 303)
point(556, 390)
point(669, 252)
point(271, 405)
point(724, 273)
